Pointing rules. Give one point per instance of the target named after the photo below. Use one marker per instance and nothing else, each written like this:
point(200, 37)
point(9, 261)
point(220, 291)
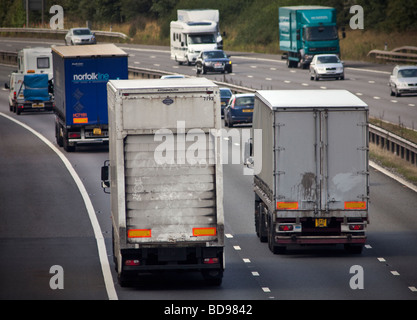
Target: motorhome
point(35, 60)
point(188, 39)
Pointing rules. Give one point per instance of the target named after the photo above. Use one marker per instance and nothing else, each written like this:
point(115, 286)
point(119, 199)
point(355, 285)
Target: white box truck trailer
point(165, 177)
point(312, 179)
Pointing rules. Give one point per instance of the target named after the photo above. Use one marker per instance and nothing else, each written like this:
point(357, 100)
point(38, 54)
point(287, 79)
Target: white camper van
point(35, 60)
point(188, 39)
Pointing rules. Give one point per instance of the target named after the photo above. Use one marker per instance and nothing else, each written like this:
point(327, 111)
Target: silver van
point(16, 88)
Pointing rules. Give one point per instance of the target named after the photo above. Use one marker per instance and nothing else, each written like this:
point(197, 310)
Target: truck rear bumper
point(343, 239)
point(164, 259)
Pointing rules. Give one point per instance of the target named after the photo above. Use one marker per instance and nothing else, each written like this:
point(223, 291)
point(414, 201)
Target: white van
point(16, 88)
point(188, 39)
point(35, 60)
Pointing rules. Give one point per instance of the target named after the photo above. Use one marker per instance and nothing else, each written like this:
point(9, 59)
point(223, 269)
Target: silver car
point(403, 80)
point(77, 36)
point(326, 66)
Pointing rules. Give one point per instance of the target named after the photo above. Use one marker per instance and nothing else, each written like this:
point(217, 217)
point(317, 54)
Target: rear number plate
point(321, 223)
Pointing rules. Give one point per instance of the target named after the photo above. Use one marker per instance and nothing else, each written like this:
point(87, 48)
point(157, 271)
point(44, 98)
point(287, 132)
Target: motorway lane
point(306, 273)
point(259, 71)
point(43, 223)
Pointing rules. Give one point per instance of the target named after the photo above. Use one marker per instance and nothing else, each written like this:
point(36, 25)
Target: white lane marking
point(381, 260)
point(368, 246)
point(413, 289)
point(255, 273)
point(229, 236)
point(237, 248)
point(266, 289)
point(246, 260)
point(395, 273)
point(105, 266)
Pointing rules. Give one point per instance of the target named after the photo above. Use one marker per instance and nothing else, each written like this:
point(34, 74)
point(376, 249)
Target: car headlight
point(402, 84)
point(321, 69)
point(208, 63)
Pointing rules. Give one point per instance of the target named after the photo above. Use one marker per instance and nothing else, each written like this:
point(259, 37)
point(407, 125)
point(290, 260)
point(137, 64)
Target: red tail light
point(74, 135)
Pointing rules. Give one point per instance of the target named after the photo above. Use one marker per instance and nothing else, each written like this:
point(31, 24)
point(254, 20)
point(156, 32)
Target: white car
point(77, 36)
point(403, 80)
point(326, 66)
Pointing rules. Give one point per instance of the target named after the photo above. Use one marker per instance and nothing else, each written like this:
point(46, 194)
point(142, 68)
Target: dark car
point(239, 109)
point(213, 61)
point(225, 94)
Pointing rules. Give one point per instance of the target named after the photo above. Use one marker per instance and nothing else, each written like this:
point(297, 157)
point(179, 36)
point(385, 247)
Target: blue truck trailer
point(305, 31)
point(80, 78)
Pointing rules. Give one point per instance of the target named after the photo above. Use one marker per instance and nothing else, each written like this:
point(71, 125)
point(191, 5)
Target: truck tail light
point(211, 260)
point(74, 135)
point(356, 227)
point(285, 227)
point(14, 95)
point(132, 262)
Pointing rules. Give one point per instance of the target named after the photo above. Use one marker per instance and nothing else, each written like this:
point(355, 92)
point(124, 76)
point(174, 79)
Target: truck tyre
point(263, 233)
point(213, 277)
point(66, 145)
point(353, 248)
point(274, 248)
point(58, 135)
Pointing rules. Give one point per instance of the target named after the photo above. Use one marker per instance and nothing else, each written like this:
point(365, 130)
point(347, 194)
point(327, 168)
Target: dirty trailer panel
point(166, 177)
point(319, 190)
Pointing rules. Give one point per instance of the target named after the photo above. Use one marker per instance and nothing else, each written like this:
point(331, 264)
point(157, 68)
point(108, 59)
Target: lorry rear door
point(296, 166)
point(345, 159)
point(321, 159)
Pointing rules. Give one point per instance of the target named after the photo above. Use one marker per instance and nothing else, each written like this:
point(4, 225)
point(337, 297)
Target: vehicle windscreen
point(321, 33)
point(214, 55)
point(407, 73)
point(82, 32)
point(201, 38)
point(245, 101)
point(225, 93)
point(328, 59)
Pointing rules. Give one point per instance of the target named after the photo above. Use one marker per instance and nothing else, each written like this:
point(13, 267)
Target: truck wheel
point(125, 280)
point(353, 248)
point(213, 277)
point(263, 233)
point(66, 145)
point(58, 135)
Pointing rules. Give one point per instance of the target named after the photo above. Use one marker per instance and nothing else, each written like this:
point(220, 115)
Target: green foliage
point(252, 22)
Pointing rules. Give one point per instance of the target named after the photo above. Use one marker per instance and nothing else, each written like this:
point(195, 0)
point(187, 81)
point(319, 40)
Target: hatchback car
point(213, 61)
point(326, 66)
point(403, 80)
point(239, 109)
point(77, 36)
point(225, 94)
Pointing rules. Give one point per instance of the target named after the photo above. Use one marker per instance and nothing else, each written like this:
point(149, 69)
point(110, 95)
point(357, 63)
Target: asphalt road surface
point(44, 221)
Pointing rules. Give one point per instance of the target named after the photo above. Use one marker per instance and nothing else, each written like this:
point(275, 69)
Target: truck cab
point(306, 31)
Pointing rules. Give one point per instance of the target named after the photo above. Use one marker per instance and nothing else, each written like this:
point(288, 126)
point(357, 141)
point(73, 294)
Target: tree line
point(255, 20)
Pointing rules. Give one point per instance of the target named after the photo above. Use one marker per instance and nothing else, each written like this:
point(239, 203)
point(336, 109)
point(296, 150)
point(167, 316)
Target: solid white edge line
point(101, 246)
point(393, 176)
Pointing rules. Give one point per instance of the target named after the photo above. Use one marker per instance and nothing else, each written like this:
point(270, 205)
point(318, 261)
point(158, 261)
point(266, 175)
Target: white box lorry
point(312, 181)
point(165, 177)
point(193, 32)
